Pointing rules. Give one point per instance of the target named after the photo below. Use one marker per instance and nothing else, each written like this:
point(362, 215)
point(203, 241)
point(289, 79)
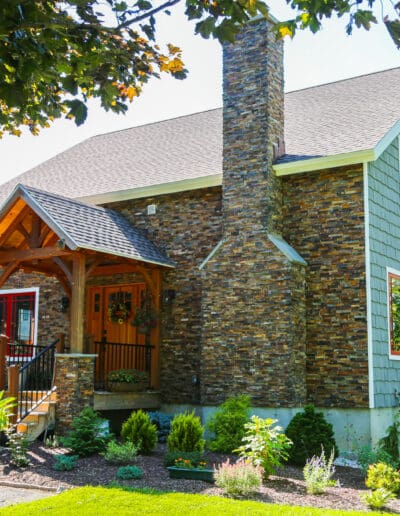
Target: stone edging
point(22, 485)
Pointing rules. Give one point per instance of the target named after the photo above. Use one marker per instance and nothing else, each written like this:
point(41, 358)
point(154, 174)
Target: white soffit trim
point(371, 393)
point(154, 190)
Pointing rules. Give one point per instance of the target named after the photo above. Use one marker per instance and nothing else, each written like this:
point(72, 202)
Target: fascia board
point(154, 190)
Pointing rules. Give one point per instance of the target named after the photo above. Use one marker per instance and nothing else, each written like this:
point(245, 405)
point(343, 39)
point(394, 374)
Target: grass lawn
point(115, 501)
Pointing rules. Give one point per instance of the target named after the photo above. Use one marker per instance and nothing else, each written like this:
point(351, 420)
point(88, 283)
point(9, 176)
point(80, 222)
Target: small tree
point(186, 434)
point(140, 431)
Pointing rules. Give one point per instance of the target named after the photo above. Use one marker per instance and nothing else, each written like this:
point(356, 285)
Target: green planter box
point(207, 475)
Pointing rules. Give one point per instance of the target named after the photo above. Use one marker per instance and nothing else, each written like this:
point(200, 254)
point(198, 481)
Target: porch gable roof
point(83, 226)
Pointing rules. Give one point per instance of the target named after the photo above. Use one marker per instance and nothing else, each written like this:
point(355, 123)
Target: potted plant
point(127, 380)
point(186, 468)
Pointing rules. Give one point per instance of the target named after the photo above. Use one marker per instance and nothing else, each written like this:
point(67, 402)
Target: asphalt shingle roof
point(340, 117)
point(91, 227)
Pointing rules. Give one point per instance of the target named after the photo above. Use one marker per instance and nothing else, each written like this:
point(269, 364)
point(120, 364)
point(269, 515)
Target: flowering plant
point(127, 376)
point(189, 464)
point(118, 312)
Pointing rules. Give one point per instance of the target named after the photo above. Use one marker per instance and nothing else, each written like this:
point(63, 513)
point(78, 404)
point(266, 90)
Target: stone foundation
point(74, 378)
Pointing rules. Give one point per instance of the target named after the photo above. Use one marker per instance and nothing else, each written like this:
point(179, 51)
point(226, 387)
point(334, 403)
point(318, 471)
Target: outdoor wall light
point(169, 295)
point(64, 304)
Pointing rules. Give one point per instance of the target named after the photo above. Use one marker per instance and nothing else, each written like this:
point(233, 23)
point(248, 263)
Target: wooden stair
point(41, 418)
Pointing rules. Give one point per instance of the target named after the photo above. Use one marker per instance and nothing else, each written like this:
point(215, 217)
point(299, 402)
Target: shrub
point(310, 433)
point(264, 445)
point(139, 430)
point(6, 404)
point(186, 433)
point(377, 499)
point(242, 478)
point(382, 475)
point(227, 424)
point(390, 442)
point(19, 445)
point(129, 472)
point(65, 462)
point(163, 424)
point(318, 473)
point(123, 453)
point(367, 456)
point(86, 436)
point(171, 456)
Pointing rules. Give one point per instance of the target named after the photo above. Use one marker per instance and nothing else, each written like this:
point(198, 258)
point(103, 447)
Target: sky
point(327, 56)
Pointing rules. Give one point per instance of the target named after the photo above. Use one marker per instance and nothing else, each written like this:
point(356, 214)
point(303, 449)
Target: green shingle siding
point(384, 242)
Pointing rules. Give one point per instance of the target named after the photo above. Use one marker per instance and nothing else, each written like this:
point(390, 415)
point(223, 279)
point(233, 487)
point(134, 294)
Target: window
point(17, 320)
point(394, 312)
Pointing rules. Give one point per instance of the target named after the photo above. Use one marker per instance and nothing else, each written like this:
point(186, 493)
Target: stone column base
point(74, 379)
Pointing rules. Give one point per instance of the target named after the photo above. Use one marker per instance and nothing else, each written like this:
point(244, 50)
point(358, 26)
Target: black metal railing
point(22, 353)
point(113, 355)
point(36, 379)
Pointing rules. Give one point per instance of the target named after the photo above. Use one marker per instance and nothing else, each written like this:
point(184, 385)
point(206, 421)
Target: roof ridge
point(343, 80)
point(156, 122)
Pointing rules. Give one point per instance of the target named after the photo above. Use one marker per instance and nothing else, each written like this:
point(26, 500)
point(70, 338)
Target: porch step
point(41, 418)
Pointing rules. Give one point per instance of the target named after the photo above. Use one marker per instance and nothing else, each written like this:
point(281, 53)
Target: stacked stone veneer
point(74, 378)
point(253, 296)
point(187, 226)
point(324, 221)
point(51, 320)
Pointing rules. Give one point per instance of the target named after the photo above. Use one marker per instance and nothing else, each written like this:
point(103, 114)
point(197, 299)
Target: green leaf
point(78, 110)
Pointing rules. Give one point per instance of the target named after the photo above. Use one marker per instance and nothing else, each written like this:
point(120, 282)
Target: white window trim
point(23, 291)
point(390, 270)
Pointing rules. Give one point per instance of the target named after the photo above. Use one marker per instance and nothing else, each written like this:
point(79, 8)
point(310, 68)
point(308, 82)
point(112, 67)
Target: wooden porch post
point(155, 363)
point(78, 303)
point(3, 354)
point(13, 381)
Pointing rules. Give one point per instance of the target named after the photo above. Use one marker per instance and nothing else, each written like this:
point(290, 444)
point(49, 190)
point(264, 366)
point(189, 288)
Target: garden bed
point(286, 488)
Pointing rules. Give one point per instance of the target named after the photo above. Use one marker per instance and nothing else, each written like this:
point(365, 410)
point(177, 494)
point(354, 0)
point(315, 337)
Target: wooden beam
point(43, 234)
point(7, 271)
point(63, 266)
point(13, 224)
point(26, 255)
point(78, 303)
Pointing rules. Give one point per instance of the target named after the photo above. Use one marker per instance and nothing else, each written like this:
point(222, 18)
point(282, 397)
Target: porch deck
point(104, 400)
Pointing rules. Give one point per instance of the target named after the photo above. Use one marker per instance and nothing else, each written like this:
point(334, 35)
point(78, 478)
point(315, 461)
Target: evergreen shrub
point(186, 433)
point(139, 430)
point(227, 424)
point(310, 433)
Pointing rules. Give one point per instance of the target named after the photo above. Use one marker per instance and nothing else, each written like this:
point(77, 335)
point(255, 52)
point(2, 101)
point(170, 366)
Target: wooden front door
point(109, 319)
point(102, 317)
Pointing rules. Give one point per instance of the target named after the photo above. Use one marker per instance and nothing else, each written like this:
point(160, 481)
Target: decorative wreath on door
point(118, 312)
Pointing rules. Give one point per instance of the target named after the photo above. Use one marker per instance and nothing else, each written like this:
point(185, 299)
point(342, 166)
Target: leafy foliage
point(65, 462)
point(240, 479)
point(378, 498)
point(6, 404)
point(129, 472)
point(310, 434)
point(86, 436)
point(390, 442)
point(264, 444)
point(56, 55)
point(171, 456)
point(367, 456)
point(127, 376)
point(139, 430)
point(163, 424)
point(186, 433)
point(318, 473)
point(123, 453)
point(382, 475)
point(19, 445)
point(227, 424)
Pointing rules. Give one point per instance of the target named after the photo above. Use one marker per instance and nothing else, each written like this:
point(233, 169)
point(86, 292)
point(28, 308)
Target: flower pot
point(207, 475)
point(127, 387)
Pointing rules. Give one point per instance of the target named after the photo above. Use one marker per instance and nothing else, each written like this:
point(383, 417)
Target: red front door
point(17, 321)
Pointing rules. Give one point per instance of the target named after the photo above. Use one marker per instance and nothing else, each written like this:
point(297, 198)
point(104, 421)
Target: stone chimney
point(253, 282)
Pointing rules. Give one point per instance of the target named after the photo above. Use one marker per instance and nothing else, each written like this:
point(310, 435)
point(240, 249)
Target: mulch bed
point(287, 487)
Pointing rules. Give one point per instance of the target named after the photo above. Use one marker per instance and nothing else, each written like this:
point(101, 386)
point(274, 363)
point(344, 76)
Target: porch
point(112, 325)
